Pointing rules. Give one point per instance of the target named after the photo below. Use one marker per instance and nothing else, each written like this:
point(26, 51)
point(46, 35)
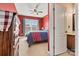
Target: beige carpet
point(40, 49)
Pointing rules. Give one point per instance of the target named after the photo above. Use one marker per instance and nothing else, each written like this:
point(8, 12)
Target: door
point(6, 48)
point(60, 45)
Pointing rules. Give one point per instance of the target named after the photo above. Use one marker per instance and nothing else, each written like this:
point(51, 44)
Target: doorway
point(33, 29)
point(64, 29)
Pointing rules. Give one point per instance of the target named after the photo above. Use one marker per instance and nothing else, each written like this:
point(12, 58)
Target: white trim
point(77, 31)
point(50, 53)
point(51, 29)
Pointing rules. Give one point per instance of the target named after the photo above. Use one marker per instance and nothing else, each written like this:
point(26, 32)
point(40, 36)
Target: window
point(30, 25)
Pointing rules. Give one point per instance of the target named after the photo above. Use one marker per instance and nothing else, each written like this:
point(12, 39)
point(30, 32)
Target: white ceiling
point(24, 9)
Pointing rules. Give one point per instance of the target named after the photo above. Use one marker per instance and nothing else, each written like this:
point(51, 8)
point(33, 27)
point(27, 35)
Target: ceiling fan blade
point(31, 10)
point(37, 6)
point(40, 11)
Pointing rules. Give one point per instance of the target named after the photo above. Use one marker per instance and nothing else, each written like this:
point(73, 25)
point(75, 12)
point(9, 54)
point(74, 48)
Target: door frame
point(77, 30)
point(52, 33)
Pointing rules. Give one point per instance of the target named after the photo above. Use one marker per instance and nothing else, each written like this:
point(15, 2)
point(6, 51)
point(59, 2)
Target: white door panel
point(60, 36)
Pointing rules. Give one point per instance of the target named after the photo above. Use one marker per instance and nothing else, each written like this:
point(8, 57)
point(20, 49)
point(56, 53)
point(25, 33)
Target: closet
point(7, 36)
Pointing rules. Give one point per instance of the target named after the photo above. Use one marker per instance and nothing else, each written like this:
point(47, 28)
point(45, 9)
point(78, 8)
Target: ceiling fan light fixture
point(40, 11)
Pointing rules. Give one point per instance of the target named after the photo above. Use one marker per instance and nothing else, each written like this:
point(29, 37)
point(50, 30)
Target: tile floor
point(68, 53)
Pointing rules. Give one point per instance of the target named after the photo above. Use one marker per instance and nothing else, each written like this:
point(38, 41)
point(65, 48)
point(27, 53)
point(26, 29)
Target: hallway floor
point(68, 53)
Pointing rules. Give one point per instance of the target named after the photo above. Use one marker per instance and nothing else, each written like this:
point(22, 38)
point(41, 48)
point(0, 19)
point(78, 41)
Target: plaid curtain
point(5, 20)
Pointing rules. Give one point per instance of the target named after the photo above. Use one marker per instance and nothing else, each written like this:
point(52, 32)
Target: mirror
point(73, 22)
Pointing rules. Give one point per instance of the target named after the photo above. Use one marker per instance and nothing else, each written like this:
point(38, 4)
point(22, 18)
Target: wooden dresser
point(71, 42)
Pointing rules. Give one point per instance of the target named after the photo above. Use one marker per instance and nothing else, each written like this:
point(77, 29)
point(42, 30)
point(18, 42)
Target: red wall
point(8, 7)
point(21, 26)
point(45, 22)
point(21, 21)
point(40, 24)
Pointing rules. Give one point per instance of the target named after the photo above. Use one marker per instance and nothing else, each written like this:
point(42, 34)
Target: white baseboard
point(50, 53)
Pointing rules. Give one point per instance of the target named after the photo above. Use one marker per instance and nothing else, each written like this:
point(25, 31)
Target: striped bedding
point(37, 37)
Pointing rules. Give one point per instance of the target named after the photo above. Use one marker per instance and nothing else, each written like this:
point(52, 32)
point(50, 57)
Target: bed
point(37, 36)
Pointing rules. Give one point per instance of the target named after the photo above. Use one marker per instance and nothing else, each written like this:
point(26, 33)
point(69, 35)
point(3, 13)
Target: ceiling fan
point(35, 10)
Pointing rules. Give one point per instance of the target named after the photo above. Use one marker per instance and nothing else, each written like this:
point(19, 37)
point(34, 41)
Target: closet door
point(1, 43)
point(6, 43)
point(11, 40)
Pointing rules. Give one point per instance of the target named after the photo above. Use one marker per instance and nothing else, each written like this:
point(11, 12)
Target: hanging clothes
point(5, 20)
point(17, 23)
